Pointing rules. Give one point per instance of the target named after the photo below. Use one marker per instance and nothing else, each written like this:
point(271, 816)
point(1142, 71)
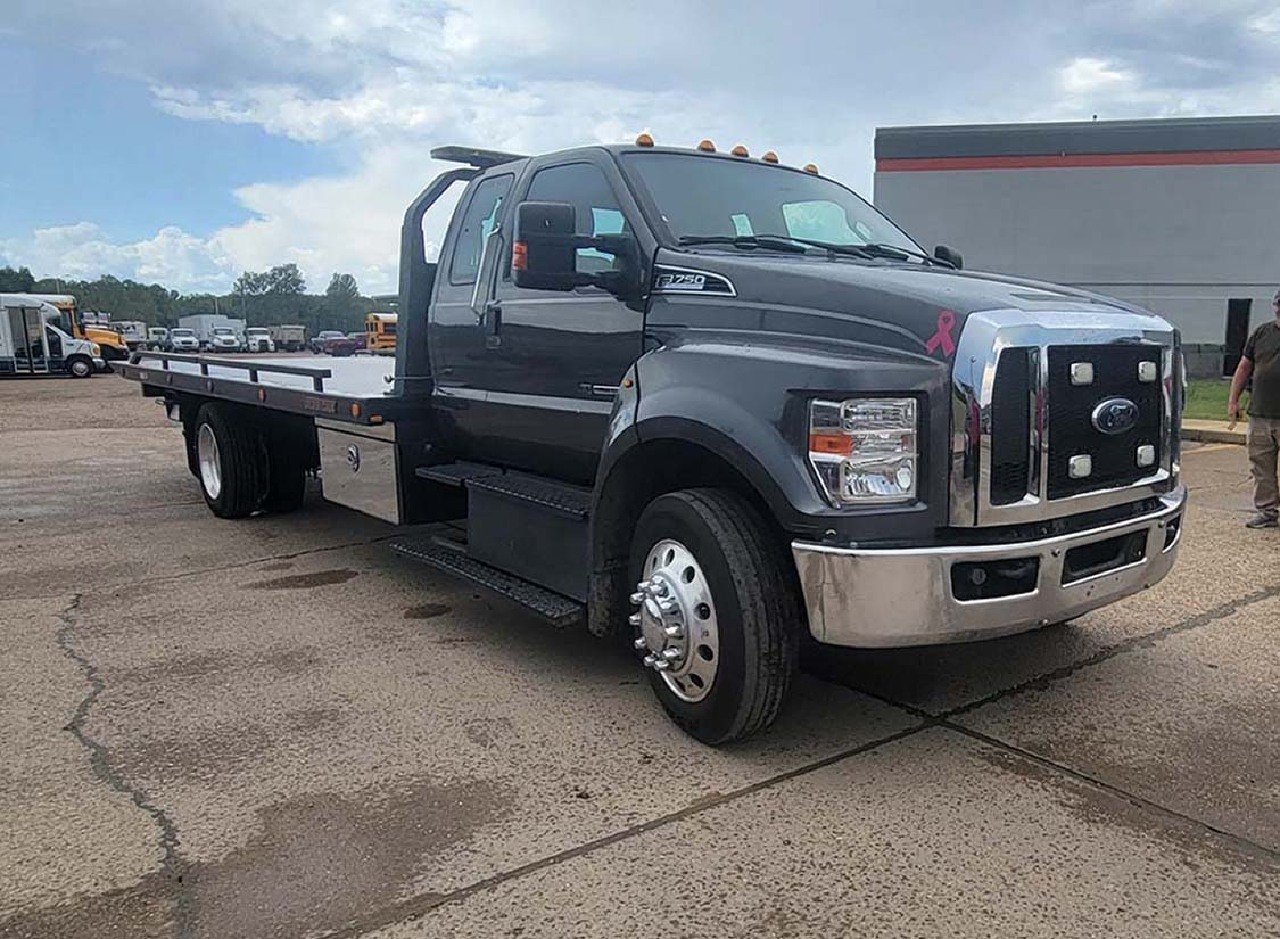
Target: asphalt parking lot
point(276, 727)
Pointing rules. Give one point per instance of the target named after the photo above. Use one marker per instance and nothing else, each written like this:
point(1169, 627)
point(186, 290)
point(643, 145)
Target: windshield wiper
point(892, 251)
point(777, 242)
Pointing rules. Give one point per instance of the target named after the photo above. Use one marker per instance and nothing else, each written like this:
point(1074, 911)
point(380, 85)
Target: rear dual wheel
point(240, 472)
point(717, 620)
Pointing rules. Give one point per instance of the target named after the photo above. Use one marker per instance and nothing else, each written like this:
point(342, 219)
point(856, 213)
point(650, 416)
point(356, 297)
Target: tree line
point(265, 298)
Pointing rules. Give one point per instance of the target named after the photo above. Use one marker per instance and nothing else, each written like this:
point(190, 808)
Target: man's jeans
point(1264, 447)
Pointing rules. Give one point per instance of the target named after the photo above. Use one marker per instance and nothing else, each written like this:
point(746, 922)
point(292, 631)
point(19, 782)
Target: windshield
point(183, 332)
point(331, 334)
point(708, 197)
point(223, 331)
point(257, 332)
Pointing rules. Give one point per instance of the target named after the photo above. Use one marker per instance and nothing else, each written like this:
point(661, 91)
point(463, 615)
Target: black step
point(556, 608)
point(573, 501)
point(456, 474)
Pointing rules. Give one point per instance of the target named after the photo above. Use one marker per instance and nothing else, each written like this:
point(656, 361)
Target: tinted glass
point(709, 196)
point(596, 209)
point(477, 222)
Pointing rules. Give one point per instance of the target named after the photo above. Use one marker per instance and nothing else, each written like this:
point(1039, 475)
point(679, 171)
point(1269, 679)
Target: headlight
point(864, 449)
point(95, 349)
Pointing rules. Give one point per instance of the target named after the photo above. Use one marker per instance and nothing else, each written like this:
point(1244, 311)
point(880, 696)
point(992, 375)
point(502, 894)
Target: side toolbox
point(359, 468)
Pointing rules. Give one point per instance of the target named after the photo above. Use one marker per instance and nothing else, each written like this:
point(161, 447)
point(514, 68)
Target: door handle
point(493, 324)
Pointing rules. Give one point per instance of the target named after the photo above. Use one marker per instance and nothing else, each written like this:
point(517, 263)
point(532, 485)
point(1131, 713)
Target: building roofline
point(1079, 138)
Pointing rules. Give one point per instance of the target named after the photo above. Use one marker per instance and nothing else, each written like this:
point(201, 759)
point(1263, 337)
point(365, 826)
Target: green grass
point(1207, 399)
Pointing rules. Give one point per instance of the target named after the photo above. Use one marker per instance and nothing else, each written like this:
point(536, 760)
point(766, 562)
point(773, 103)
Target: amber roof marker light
point(740, 151)
point(644, 140)
point(770, 157)
point(706, 146)
point(811, 168)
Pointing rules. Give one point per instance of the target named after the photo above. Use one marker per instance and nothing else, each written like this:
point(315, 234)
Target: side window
point(596, 209)
point(476, 224)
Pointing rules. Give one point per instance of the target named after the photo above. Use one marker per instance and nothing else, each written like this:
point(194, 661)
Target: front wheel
point(718, 619)
point(80, 367)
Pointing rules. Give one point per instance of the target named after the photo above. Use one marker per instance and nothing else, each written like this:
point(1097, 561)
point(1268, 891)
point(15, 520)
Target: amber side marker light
point(706, 146)
point(841, 444)
point(520, 256)
point(355, 409)
point(740, 151)
point(811, 168)
point(262, 394)
point(644, 140)
point(770, 157)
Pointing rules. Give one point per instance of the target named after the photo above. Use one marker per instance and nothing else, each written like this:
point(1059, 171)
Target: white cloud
point(380, 82)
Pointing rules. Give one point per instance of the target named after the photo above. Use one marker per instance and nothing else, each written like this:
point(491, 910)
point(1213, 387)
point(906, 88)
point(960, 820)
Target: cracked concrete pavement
point(276, 728)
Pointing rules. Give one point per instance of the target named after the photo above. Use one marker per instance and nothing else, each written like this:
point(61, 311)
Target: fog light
point(1146, 455)
point(1146, 371)
point(1081, 373)
point(1080, 466)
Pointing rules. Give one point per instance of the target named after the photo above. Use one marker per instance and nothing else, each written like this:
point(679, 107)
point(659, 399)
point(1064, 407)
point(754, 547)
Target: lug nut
point(672, 631)
point(634, 619)
point(671, 654)
point(667, 606)
point(659, 586)
point(650, 661)
point(639, 643)
point(637, 597)
point(661, 665)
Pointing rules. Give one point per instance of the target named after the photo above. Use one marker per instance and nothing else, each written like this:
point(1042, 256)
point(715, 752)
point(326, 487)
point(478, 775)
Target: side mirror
point(544, 253)
point(943, 253)
point(547, 253)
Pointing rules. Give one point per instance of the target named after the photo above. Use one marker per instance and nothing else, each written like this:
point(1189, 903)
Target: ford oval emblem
point(1115, 416)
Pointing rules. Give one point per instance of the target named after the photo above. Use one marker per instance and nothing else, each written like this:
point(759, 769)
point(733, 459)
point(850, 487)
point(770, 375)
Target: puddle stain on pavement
point(301, 581)
point(319, 863)
point(427, 611)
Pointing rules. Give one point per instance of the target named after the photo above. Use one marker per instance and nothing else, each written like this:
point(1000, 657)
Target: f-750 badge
point(682, 281)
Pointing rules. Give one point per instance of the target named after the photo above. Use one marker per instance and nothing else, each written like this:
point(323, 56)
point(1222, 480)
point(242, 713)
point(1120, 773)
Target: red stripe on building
point(1186, 158)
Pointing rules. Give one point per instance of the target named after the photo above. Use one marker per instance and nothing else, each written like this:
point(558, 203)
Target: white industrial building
point(1181, 216)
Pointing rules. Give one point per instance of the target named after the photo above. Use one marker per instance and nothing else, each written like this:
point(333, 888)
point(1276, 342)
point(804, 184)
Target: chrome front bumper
point(903, 596)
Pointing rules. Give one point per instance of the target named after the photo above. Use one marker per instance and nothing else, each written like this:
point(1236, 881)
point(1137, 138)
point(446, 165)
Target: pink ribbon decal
point(942, 338)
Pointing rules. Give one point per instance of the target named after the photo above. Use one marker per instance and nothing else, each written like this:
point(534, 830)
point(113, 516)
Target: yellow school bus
point(380, 333)
point(114, 348)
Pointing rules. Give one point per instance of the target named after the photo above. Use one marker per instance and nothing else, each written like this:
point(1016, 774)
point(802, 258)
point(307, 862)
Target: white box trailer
point(30, 343)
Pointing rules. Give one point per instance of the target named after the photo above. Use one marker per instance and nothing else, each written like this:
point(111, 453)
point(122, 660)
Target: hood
point(907, 306)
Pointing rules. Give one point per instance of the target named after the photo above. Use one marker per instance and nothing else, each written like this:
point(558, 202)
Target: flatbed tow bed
point(348, 389)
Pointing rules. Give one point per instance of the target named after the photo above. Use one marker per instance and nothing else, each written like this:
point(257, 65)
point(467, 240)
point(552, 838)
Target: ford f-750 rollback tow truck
point(709, 402)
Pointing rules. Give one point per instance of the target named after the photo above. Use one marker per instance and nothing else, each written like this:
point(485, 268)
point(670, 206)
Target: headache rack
point(176, 372)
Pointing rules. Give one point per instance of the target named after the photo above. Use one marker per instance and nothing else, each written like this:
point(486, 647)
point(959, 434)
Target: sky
point(185, 141)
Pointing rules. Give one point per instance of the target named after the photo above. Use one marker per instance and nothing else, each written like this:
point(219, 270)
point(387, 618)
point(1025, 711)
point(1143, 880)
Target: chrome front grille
point(1025, 444)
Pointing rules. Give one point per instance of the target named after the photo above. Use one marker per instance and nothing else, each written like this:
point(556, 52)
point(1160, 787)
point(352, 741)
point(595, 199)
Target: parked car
point(224, 339)
point(182, 339)
point(258, 340)
point(325, 335)
point(340, 345)
point(358, 339)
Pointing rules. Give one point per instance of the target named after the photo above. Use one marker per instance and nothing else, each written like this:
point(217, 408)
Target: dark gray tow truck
point(711, 403)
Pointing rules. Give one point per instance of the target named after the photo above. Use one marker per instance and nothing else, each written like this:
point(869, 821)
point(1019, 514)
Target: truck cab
point(715, 404)
point(183, 339)
point(258, 339)
point(224, 339)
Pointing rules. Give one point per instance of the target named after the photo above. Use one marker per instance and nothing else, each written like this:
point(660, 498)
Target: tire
point(80, 367)
point(236, 488)
point(754, 612)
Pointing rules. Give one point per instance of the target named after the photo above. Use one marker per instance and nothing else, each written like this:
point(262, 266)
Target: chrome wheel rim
point(676, 631)
point(80, 369)
point(210, 464)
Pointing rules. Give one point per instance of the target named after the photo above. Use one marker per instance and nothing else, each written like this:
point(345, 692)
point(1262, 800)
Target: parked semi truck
point(70, 321)
point(712, 404)
point(31, 342)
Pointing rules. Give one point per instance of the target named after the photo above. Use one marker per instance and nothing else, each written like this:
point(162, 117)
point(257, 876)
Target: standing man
point(1261, 359)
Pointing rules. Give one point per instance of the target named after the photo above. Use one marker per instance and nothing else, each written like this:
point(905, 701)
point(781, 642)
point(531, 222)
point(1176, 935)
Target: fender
point(746, 401)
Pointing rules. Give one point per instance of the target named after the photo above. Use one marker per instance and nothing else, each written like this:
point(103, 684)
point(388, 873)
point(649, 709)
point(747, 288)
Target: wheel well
point(645, 472)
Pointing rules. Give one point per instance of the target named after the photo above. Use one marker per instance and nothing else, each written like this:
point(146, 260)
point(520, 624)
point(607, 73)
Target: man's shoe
point(1263, 520)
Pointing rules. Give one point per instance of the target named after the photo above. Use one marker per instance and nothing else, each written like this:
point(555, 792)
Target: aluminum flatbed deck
point(354, 389)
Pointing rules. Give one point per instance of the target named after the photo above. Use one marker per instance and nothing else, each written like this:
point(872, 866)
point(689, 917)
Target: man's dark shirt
point(1263, 350)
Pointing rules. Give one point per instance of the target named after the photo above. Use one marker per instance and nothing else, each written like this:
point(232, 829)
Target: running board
point(555, 608)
